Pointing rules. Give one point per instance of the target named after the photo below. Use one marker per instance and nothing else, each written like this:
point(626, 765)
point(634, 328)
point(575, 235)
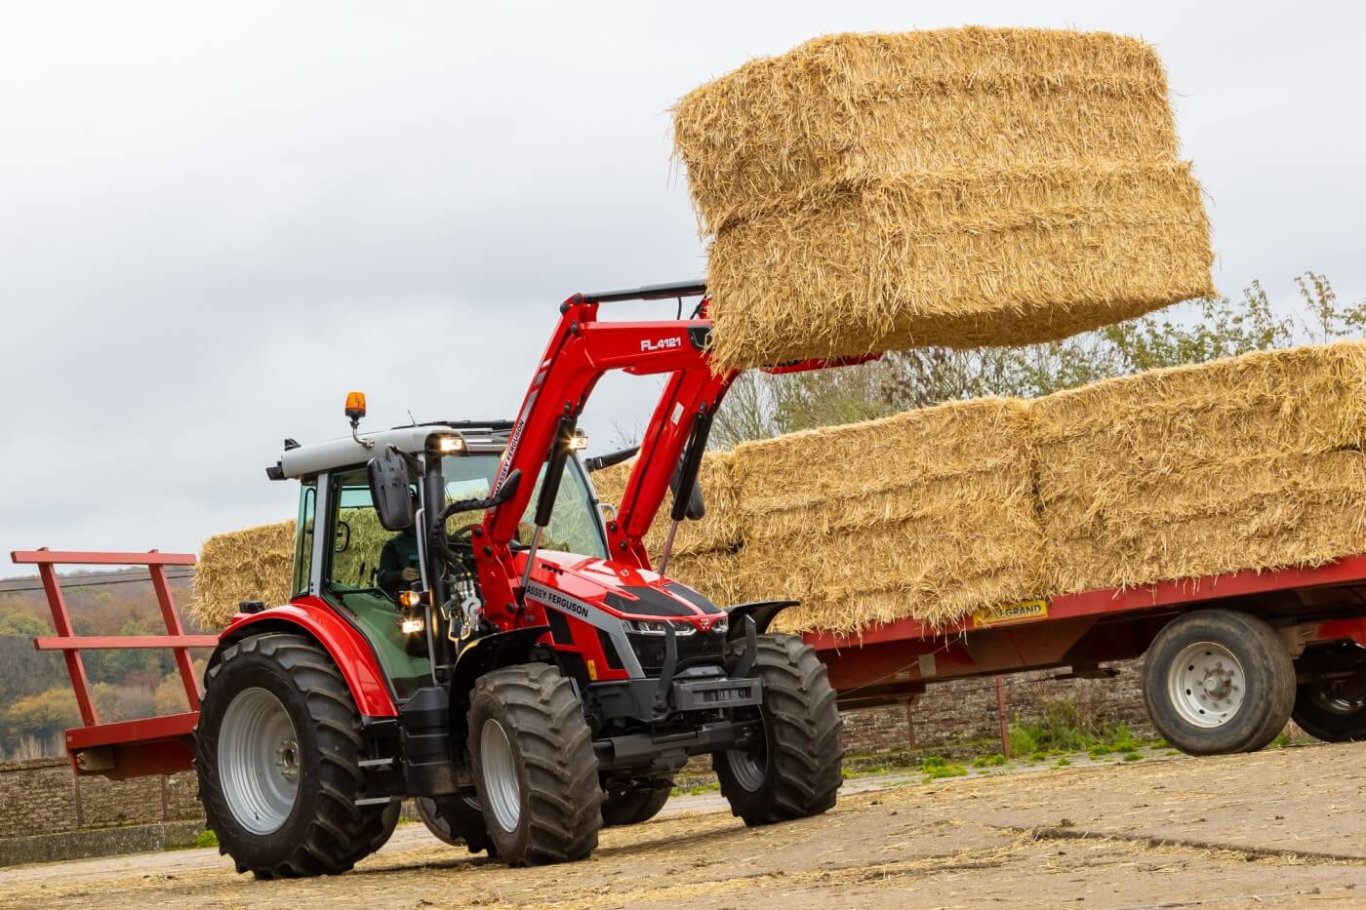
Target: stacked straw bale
point(703, 555)
point(1249, 463)
point(1255, 462)
point(928, 514)
point(251, 564)
point(961, 187)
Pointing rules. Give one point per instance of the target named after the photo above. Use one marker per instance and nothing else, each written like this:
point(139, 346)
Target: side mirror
point(389, 490)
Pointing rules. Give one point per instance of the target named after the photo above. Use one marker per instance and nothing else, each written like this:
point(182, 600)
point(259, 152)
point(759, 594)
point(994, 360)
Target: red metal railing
point(152, 745)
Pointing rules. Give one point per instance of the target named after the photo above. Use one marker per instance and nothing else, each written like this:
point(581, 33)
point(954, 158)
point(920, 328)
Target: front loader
point(470, 629)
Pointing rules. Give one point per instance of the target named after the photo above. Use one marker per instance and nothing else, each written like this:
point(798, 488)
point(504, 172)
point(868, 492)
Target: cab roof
point(298, 461)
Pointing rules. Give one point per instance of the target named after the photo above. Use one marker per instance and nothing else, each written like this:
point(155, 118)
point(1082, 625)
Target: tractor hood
point(619, 589)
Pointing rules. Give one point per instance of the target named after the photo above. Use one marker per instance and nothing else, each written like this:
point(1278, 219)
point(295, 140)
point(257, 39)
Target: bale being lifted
point(963, 187)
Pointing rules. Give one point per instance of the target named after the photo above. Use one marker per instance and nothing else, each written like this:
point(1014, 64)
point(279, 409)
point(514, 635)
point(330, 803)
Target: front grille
point(693, 650)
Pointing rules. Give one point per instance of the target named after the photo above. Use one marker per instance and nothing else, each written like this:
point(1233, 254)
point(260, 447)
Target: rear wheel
point(1332, 710)
point(792, 770)
point(1218, 681)
point(534, 767)
point(277, 753)
point(635, 801)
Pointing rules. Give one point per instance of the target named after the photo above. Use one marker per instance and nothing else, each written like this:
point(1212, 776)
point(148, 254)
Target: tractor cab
point(373, 576)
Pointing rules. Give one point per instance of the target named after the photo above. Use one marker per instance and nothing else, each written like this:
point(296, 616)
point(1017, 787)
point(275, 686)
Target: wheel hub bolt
point(1217, 683)
point(287, 759)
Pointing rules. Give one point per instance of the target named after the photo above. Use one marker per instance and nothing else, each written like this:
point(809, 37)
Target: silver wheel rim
point(1206, 685)
point(258, 761)
point(500, 775)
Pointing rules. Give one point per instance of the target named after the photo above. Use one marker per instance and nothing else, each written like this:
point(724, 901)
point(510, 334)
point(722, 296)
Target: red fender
point(349, 650)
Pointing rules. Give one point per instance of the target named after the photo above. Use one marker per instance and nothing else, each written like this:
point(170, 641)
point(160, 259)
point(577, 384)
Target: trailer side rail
point(151, 745)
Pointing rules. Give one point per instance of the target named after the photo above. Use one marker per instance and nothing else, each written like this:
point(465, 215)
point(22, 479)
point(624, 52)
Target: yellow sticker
point(1024, 611)
point(592, 669)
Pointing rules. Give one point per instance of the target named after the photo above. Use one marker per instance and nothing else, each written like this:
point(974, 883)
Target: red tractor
point(469, 627)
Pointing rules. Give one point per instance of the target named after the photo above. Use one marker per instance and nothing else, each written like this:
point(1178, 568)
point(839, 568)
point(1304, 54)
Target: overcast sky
point(216, 219)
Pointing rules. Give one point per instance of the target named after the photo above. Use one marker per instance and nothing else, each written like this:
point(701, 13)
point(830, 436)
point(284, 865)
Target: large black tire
point(1333, 711)
point(794, 769)
point(456, 820)
point(1217, 682)
point(633, 802)
point(534, 767)
point(322, 831)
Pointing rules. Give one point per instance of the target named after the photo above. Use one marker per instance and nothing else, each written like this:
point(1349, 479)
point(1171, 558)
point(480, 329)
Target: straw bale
point(718, 530)
point(251, 564)
point(928, 514)
point(961, 261)
point(962, 188)
point(850, 107)
point(1253, 462)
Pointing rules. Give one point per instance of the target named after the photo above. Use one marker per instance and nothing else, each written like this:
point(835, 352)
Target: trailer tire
point(456, 820)
point(535, 770)
point(1217, 682)
point(1332, 711)
point(277, 701)
point(794, 770)
point(630, 803)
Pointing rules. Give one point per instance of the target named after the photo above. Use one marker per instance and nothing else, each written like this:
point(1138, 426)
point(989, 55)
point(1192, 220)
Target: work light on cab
point(450, 445)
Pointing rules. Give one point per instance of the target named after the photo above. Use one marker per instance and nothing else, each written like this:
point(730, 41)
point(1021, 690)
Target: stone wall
point(966, 709)
point(44, 797)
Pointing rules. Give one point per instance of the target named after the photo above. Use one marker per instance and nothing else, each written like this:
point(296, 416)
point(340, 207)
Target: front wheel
point(792, 769)
point(1332, 710)
point(277, 752)
point(1217, 682)
point(534, 767)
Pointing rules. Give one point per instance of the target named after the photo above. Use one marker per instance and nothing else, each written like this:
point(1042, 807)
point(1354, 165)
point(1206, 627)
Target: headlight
point(410, 625)
point(649, 627)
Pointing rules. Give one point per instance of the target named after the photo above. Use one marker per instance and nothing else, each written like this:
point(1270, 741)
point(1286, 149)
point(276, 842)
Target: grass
point(711, 786)
point(1064, 728)
point(935, 767)
point(205, 838)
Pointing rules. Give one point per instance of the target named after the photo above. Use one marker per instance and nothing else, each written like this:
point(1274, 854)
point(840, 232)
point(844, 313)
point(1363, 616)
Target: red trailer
point(1228, 658)
point(1312, 662)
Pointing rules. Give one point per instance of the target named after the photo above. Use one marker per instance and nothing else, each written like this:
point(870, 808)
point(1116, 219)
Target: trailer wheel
point(633, 802)
point(277, 753)
point(535, 770)
point(456, 820)
point(1332, 710)
point(1217, 682)
point(793, 768)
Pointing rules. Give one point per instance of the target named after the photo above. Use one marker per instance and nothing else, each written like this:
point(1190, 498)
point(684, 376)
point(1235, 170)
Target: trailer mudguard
point(348, 648)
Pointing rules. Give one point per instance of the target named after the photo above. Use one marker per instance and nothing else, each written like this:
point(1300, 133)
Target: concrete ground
point(1277, 829)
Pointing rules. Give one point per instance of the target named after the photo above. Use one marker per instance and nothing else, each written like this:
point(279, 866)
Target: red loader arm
point(580, 351)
